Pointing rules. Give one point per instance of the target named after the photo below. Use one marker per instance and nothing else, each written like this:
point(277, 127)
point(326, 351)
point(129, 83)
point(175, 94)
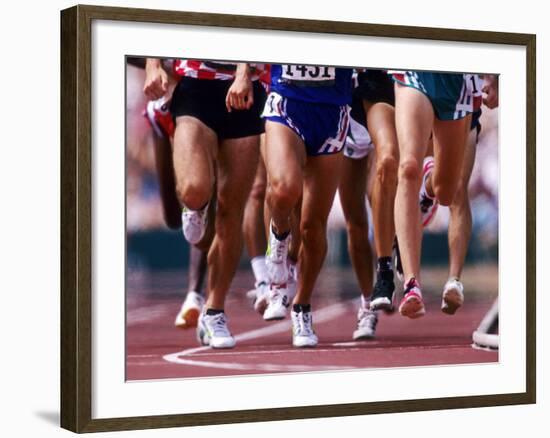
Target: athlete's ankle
point(384, 264)
point(301, 308)
point(410, 283)
point(279, 235)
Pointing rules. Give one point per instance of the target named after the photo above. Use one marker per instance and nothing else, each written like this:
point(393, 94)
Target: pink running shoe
point(412, 305)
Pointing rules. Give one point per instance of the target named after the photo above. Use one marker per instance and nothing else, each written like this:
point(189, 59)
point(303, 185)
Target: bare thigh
point(352, 189)
point(449, 146)
point(237, 165)
point(195, 146)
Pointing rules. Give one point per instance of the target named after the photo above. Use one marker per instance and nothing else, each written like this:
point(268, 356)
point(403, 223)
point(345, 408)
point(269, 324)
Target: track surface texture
point(156, 349)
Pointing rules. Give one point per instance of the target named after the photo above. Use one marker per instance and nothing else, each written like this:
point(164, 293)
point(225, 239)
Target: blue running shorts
point(322, 127)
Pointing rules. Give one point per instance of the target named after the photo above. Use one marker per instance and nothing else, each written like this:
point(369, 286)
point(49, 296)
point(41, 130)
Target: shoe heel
point(191, 318)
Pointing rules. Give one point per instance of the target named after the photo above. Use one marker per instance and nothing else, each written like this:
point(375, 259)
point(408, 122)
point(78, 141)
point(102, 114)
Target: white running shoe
point(276, 258)
point(194, 224)
point(453, 296)
point(213, 331)
point(412, 305)
point(302, 330)
point(191, 308)
point(366, 322)
point(261, 300)
point(428, 205)
point(278, 303)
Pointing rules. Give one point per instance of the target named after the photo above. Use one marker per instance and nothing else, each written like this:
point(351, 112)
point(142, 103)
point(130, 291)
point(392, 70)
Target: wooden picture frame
point(76, 217)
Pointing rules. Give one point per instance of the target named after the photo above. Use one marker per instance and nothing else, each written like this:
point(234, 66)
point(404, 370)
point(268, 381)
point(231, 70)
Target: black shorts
point(357, 112)
point(476, 123)
point(204, 99)
point(376, 86)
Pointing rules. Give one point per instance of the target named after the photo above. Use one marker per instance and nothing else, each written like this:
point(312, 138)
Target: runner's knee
point(284, 192)
point(386, 170)
point(410, 170)
point(444, 193)
point(193, 194)
point(313, 234)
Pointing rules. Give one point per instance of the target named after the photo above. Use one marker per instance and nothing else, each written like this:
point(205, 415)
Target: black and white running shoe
point(382, 294)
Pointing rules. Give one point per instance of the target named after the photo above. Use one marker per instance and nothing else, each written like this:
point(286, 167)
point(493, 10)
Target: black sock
point(213, 311)
point(301, 308)
point(280, 237)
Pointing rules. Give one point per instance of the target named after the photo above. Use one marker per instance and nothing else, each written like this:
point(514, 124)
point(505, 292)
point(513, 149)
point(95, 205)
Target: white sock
point(260, 270)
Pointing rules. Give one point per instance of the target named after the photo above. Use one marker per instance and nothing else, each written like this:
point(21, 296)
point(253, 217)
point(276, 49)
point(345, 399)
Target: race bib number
point(273, 105)
point(473, 84)
point(308, 75)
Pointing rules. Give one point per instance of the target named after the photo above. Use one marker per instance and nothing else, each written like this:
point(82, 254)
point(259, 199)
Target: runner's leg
point(285, 158)
point(352, 187)
point(194, 153)
point(381, 123)
point(460, 220)
point(236, 164)
point(414, 119)
point(321, 177)
point(253, 222)
point(449, 146)
point(164, 165)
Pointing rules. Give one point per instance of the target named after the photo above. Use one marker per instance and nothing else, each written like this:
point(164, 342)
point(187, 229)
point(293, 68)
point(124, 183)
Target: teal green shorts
point(449, 93)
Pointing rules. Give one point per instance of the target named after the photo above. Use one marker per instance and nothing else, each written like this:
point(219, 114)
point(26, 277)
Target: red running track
point(156, 349)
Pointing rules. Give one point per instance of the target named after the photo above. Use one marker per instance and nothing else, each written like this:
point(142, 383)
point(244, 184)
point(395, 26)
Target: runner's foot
point(412, 305)
point(212, 330)
point(453, 296)
point(191, 308)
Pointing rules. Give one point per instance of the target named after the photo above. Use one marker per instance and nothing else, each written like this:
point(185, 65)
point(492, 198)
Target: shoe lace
point(367, 318)
point(412, 283)
point(306, 328)
point(276, 295)
point(219, 324)
point(194, 216)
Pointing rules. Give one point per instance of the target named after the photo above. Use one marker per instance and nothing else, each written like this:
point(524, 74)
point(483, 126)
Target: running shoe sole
point(382, 303)
point(275, 317)
point(363, 336)
point(222, 344)
point(412, 306)
point(307, 343)
point(189, 319)
point(452, 301)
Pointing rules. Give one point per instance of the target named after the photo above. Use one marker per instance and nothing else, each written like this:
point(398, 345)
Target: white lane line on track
point(324, 314)
point(365, 346)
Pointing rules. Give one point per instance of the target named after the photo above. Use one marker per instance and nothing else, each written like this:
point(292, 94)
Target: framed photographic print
point(304, 218)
